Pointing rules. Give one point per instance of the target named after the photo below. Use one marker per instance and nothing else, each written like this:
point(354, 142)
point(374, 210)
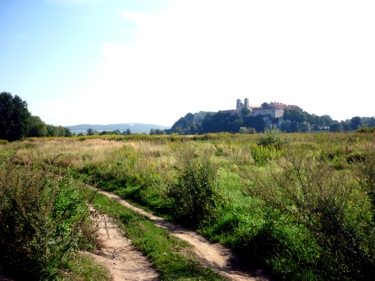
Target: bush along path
point(180, 263)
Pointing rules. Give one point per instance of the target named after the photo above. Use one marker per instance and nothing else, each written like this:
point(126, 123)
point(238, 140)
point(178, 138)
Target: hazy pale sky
point(146, 61)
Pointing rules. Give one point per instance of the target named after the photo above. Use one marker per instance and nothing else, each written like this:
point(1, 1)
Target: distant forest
point(292, 121)
point(16, 122)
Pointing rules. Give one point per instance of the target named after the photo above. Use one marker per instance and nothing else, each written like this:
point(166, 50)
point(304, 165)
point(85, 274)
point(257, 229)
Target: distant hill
point(135, 128)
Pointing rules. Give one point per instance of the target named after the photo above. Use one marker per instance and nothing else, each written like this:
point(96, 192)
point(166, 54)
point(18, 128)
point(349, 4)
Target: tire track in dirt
point(213, 255)
point(123, 261)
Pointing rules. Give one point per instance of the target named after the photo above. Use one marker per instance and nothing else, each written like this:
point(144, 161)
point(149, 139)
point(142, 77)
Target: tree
point(294, 127)
point(91, 132)
point(67, 131)
point(58, 131)
point(327, 120)
point(305, 127)
point(251, 130)
point(245, 111)
point(346, 125)
point(265, 104)
point(335, 127)
point(14, 117)
point(255, 122)
point(357, 122)
point(128, 132)
point(294, 115)
point(37, 127)
point(221, 122)
point(159, 132)
point(243, 130)
point(315, 127)
point(371, 122)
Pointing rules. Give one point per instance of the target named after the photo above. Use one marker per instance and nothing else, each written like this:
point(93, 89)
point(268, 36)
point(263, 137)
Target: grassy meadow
point(302, 205)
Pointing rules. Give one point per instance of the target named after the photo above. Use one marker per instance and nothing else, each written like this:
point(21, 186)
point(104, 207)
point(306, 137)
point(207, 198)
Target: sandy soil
point(123, 261)
point(214, 255)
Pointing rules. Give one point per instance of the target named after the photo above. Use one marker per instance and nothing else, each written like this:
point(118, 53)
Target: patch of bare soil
point(123, 261)
point(213, 255)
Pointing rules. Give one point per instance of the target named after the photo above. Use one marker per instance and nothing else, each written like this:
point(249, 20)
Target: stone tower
point(239, 106)
point(247, 103)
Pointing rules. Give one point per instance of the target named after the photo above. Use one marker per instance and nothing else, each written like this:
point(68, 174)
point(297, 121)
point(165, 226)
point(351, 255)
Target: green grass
point(268, 226)
point(80, 267)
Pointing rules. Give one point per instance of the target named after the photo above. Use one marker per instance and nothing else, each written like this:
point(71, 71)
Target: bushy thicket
point(194, 196)
point(321, 205)
point(42, 219)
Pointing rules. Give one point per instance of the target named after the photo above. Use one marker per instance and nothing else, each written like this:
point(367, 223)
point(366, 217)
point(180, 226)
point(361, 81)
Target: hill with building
point(251, 118)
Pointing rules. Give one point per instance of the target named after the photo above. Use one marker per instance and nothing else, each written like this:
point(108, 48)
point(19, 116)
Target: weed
point(41, 219)
point(312, 194)
point(272, 137)
point(195, 195)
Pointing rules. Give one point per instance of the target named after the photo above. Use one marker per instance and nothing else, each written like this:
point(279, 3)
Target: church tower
point(247, 103)
point(239, 106)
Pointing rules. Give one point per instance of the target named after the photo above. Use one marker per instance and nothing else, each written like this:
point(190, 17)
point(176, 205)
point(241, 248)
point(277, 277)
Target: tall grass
point(304, 207)
point(43, 221)
point(329, 208)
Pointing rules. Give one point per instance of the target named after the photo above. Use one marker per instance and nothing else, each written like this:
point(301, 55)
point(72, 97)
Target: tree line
point(16, 121)
point(292, 121)
point(91, 132)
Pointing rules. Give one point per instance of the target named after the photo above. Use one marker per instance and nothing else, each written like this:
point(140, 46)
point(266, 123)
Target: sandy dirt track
point(213, 255)
point(123, 261)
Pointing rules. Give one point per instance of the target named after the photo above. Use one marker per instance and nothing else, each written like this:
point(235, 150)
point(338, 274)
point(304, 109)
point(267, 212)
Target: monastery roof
point(294, 107)
point(279, 105)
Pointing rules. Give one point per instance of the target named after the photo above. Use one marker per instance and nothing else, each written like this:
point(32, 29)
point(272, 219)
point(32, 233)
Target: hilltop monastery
point(274, 109)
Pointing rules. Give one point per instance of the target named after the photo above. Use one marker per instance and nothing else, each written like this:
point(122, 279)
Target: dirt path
point(210, 254)
point(123, 261)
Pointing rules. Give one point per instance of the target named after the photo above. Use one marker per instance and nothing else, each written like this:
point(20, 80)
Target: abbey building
point(274, 109)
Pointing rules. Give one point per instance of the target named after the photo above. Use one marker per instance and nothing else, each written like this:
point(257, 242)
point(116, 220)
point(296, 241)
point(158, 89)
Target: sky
point(145, 61)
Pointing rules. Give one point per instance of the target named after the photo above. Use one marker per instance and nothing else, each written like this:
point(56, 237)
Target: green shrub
point(3, 141)
point(41, 220)
point(272, 137)
point(194, 196)
point(366, 130)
